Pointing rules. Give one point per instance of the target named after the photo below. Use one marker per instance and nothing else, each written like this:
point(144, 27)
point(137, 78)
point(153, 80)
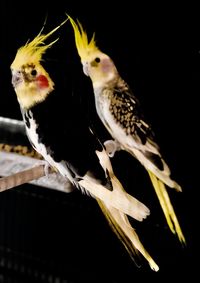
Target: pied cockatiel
point(121, 113)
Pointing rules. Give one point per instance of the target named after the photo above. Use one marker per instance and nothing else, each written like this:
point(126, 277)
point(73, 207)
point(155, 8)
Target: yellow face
point(32, 84)
point(97, 65)
point(100, 68)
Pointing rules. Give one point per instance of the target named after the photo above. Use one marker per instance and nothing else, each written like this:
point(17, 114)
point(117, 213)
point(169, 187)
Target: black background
point(156, 49)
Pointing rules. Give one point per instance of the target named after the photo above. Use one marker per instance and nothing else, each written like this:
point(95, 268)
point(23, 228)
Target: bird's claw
point(111, 147)
point(47, 167)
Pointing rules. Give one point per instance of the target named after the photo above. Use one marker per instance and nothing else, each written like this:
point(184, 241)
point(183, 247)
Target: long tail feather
point(167, 207)
point(122, 228)
point(164, 175)
point(116, 198)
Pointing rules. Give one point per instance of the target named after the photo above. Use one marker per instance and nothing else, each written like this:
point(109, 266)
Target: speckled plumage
point(121, 114)
point(126, 110)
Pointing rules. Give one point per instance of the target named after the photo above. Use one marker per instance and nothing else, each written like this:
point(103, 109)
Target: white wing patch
point(41, 148)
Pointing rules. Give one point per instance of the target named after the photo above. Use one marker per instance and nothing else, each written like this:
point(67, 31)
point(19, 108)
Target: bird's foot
point(111, 147)
point(47, 168)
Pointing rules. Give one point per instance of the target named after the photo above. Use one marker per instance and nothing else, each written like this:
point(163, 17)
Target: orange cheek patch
point(42, 81)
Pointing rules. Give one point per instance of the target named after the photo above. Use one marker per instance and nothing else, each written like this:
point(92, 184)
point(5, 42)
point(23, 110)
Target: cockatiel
point(72, 148)
point(121, 114)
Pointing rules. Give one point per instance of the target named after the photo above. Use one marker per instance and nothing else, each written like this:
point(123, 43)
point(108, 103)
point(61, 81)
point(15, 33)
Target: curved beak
point(85, 68)
point(16, 78)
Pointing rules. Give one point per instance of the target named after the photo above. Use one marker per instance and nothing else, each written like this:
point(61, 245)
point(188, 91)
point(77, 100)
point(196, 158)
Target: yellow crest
point(34, 49)
point(84, 47)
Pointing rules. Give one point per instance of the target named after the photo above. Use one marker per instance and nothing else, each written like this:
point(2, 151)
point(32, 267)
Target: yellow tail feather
point(167, 207)
point(122, 228)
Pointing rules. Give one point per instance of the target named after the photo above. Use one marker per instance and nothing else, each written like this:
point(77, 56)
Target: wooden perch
point(22, 177)
point(22, 158)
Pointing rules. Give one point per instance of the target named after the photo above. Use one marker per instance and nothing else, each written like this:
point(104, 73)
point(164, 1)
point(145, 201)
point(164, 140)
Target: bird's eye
point(34, 72)
point(97, 60)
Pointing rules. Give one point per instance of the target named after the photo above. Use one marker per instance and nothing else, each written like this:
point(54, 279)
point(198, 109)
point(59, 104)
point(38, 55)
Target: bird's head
point(96, 64)
point(31, 82)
